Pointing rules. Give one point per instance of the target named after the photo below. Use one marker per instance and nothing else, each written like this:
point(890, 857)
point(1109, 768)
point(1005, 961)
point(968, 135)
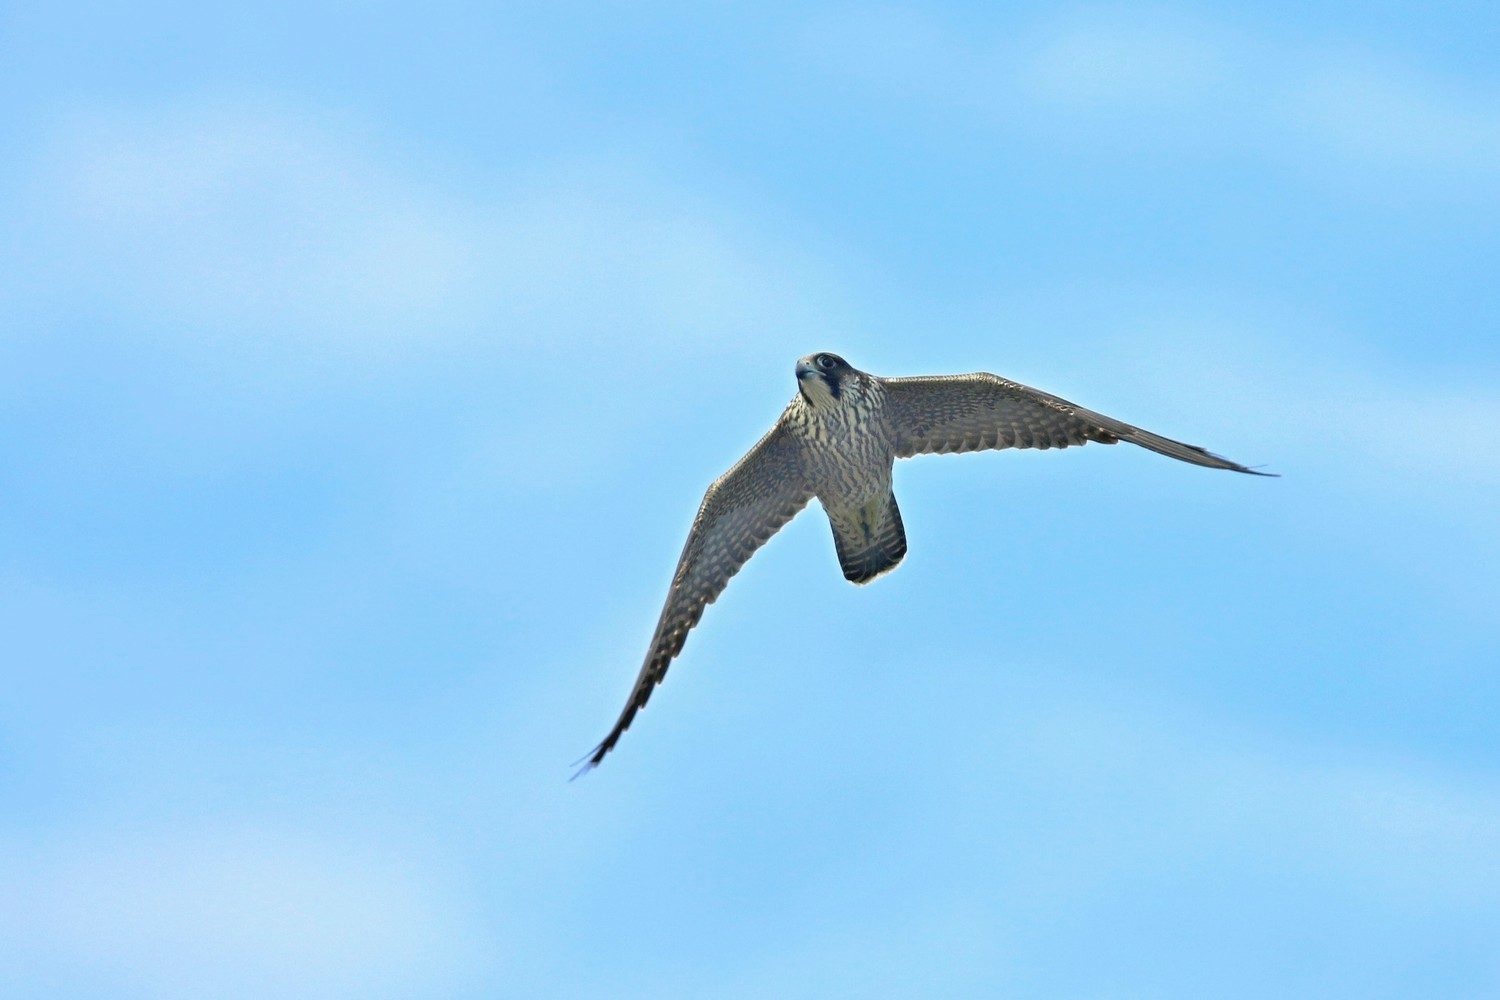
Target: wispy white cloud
point(1121, 64)
point(1152, 80)
point(254, 225)
point(247, 912)
point(1178, 788)
point(1391, 118)
point(233, 220)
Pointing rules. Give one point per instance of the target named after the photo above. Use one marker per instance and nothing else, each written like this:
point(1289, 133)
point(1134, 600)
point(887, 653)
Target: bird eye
point(827, 361)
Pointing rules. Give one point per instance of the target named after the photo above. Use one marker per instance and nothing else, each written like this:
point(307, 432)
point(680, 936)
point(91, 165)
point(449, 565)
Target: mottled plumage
point(836, 441)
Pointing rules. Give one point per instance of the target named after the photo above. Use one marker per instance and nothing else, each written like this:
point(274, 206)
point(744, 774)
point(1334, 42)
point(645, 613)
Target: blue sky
point(362, 366)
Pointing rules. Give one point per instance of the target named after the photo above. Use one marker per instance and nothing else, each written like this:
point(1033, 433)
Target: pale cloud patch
point(1386, 116)
point(1153, 81)
point(241, 222)
point(602, 258)
point(1181, 790)
point(238, 913)
point(1121, 64)
point(270, 231)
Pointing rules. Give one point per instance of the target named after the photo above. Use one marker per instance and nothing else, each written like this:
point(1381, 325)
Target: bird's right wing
point(954, 413)
point(742, 509)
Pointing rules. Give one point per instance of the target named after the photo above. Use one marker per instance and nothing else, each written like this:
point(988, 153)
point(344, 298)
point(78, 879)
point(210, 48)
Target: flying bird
point(837, 440)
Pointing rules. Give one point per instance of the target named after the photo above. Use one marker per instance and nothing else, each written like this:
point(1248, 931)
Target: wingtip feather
point(589, 761)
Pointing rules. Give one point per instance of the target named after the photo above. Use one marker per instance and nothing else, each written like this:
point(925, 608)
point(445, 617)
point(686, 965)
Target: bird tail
point(870, 540)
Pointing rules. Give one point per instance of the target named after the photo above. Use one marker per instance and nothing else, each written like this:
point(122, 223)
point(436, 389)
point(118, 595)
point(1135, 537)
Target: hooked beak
point(805, 368)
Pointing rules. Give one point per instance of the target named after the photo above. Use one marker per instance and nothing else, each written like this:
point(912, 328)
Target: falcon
point(837, 441)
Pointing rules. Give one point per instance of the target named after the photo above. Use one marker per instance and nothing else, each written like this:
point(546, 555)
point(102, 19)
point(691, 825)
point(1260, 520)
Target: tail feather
point(870, 540)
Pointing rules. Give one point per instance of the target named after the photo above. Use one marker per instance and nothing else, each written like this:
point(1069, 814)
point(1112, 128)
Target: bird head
point(823, 378)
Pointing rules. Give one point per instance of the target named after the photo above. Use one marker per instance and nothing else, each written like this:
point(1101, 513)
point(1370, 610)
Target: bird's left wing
point(955, 413)
point(742, 509)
